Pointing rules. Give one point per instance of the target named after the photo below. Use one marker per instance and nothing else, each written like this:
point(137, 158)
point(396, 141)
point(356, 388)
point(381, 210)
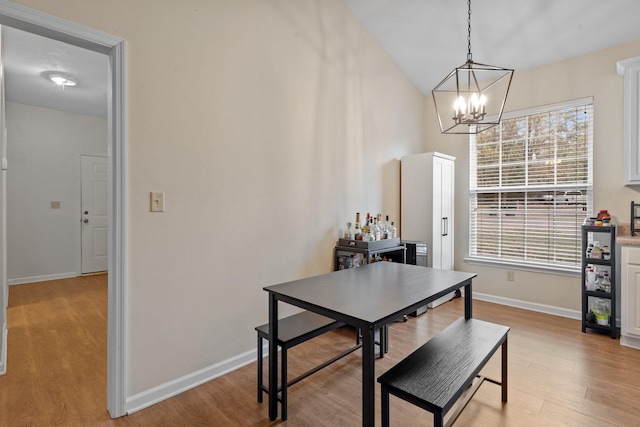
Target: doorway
point(42, 24)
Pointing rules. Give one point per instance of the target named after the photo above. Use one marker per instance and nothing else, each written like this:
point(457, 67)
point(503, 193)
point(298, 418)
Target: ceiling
point(426, 38)
point(29, 59)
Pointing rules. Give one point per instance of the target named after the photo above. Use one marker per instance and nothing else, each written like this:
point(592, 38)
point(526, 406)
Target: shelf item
point(350, 257)
point(599, 296)
point(427, 206)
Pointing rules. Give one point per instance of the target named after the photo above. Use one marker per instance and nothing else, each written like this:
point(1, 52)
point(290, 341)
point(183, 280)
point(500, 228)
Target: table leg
point(368, 374)
point(273, 357)
point(468, 313)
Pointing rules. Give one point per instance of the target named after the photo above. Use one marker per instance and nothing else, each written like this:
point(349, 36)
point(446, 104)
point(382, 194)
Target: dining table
point(368, 297)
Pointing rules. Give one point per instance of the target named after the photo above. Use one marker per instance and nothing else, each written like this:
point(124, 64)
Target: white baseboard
point(630, 342)
point(180, 385)
point(3, 350)
point(44, 278)
point(531, 306)
point(172, 388)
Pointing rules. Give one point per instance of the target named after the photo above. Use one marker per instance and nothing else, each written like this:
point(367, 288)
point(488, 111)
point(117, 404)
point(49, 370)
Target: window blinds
point(531, 185)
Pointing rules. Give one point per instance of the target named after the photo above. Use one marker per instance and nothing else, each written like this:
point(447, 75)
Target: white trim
point(3, 354)
point(174, 387)
point(116, 337)
point(50, 26)
point(43, 278)
point(631, 342)
point(531, 306)
point(588, 100)
point(520, 265)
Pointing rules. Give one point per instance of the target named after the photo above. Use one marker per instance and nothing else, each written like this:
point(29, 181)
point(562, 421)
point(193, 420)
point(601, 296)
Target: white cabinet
point(427, 205)
point(630, 69)
point(630, 316)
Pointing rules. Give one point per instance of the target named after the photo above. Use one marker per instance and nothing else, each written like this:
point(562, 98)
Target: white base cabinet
point(427, 206)
point(630, 316)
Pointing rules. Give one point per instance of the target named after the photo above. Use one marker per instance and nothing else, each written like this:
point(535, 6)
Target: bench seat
point(294, 330)
point(436, 375)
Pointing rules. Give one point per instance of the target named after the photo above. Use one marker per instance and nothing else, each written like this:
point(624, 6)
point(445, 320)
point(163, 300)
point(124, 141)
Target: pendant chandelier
point(472, 97)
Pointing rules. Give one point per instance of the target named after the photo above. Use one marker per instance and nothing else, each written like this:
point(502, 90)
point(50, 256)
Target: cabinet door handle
point(445, 226)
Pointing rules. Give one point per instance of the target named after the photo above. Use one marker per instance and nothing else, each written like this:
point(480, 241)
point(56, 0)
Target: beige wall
point(268, 124)
point(588, 75)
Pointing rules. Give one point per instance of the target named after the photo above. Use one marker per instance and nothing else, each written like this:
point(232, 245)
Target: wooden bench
point(294, 330)
point(439, 373)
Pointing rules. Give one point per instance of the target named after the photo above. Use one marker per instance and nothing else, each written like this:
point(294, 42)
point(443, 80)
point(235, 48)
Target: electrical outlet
point(55, 205)
point(510, 274)
point(157, 201)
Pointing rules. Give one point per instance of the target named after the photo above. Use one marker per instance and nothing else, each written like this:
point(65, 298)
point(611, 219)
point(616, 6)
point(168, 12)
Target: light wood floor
point(558, 376)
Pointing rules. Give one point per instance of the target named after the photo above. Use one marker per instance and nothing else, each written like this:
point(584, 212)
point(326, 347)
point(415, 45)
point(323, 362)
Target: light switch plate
point(157, 201)
point(55, 205)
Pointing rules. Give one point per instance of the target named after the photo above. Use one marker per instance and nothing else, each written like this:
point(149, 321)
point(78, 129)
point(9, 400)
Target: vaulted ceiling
point(426, 38)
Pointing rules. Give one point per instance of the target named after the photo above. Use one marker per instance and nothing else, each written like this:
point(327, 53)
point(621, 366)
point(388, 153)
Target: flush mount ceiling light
point(472, 97)
point(63, 81)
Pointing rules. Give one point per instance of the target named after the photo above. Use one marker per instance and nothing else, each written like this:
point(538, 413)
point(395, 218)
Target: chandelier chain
point(469, 30)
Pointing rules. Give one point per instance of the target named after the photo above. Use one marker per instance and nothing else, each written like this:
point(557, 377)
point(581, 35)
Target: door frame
point(46, 25)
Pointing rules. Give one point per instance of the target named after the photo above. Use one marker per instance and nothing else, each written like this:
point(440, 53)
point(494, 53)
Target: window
point(531, 187)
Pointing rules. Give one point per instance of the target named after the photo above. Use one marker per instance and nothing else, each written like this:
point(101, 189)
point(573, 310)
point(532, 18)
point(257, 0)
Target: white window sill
point(519, 265)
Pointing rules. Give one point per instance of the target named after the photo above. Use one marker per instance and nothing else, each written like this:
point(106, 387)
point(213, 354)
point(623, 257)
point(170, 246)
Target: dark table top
point(372, 294)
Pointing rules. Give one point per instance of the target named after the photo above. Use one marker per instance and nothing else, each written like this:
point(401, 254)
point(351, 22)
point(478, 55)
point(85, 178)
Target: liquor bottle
point(376, 230)
point(394, 231)
point(348, 234)
point(385, 228)
point(357, 234)
point(366, 227)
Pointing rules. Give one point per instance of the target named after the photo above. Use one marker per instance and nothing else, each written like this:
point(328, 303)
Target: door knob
point(86, 221)
point(86, 212)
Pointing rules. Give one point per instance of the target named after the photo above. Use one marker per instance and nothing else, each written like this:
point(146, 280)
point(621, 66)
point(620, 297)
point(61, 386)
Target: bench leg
point(260, 361)
point(283, 352)
point(504, 370)
point(384, 406)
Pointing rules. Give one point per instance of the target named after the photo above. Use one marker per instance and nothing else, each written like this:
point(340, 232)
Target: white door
point(95, 214)
point(438, 224)
point(443, 225)
point(446, 247)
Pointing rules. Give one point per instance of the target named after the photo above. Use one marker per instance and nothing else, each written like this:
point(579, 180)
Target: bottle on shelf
point(375, 230)
point(596, 251)
point(357, 232)
point(589, 250)
point(386, 224)
point(590, 284)
point(394, 231)
point(349, 234)
point(606, 282)
point(598, 283)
